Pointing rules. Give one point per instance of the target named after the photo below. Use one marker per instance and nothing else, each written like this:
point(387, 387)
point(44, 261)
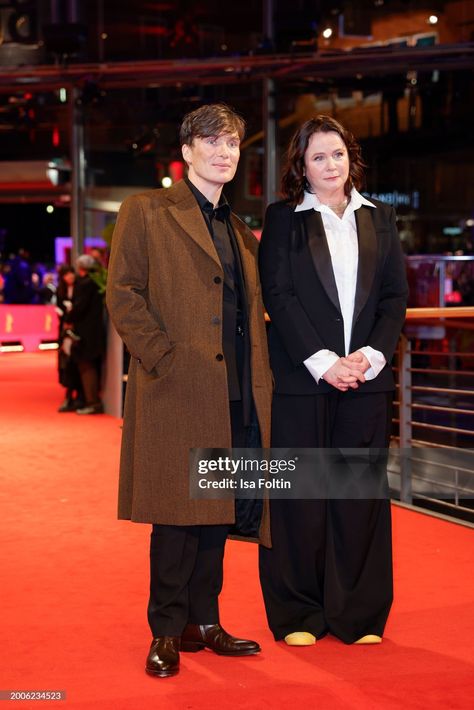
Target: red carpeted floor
point(74, 589)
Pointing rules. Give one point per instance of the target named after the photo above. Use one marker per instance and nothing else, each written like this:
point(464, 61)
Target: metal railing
point(432, 449)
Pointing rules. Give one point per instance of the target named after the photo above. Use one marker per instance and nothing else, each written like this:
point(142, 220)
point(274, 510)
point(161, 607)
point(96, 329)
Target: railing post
point(442, 284)
point(78, 173)
point(404, 379)
point(269, 115)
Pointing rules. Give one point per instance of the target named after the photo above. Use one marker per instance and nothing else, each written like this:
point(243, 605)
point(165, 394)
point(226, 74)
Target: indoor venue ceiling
point(137, 67)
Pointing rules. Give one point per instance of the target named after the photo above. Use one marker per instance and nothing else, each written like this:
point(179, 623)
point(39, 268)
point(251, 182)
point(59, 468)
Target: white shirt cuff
point(376, 359)
point(320, 362)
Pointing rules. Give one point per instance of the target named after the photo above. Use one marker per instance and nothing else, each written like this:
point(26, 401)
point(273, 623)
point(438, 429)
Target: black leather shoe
point(196, 637)
point(67, 406)
point(163, 657)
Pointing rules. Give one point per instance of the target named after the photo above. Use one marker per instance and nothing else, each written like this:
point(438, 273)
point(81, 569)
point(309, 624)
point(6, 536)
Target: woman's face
point(327, 165)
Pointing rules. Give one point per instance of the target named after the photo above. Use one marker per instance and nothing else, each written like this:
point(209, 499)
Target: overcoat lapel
point(247, 259)
point(320, 254)
point(187, 213)
point(367, 238)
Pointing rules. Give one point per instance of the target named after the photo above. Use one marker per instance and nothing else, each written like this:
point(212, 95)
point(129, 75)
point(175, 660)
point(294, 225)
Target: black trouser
point(330, 566)
point(185, 576)
point(186, 565)
point(90, 379)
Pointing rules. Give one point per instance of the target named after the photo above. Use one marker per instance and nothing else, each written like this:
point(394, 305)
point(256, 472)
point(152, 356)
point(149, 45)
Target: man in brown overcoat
point(183, 292)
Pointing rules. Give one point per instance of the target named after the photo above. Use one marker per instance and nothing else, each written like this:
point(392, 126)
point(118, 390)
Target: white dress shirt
point(341, 235)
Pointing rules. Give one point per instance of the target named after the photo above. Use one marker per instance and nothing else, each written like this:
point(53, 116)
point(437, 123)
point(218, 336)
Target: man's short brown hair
point(210, 120)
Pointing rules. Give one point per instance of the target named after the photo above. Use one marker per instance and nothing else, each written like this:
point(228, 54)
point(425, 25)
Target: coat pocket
point(164, 364)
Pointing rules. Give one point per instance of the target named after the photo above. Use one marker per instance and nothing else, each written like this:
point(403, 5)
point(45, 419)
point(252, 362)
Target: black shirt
point(220, 229)
point(218, 223)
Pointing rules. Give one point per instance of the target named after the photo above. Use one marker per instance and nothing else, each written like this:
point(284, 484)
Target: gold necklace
point(339, 208)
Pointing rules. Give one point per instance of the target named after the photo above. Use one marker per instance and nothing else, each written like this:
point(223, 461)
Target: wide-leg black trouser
point(330, 565)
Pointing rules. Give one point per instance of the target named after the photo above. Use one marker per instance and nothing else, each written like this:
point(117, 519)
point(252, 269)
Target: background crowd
point(78, 295)
point(26, 282)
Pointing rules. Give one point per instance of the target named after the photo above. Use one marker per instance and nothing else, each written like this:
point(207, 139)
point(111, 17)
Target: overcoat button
point(215, 320)
point(219, 357)
point(217, 280)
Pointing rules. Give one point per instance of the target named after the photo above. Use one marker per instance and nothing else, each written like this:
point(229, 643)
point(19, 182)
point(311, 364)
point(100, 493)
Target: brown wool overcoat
point(164, 296)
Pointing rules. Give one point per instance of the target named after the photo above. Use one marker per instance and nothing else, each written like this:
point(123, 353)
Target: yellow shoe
point(300, 638)
point(370, 638)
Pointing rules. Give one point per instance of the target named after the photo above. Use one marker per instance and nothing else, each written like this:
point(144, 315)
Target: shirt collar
point(222, 209)
point(311, 202)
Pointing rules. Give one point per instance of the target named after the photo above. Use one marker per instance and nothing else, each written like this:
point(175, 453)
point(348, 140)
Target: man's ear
point(186, 153)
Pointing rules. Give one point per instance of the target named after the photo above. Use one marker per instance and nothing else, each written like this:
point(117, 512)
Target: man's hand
point(345, 373)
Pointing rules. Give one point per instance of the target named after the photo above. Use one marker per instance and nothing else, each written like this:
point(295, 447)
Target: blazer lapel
point(367, 238)
point(318, 247)
point(187, 213)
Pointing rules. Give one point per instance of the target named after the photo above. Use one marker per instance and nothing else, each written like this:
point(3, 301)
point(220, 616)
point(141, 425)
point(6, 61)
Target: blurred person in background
point(46, 291)
point(68, 372)
point(18, 287)
point(86, 321)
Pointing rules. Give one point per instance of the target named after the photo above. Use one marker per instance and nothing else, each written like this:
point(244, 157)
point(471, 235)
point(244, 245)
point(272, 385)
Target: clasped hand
point(347, 372)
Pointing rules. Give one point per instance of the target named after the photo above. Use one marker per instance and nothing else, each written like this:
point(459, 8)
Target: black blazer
point(300, 293)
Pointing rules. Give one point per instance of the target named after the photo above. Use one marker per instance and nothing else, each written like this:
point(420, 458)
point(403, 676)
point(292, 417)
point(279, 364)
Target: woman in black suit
point(334, 285)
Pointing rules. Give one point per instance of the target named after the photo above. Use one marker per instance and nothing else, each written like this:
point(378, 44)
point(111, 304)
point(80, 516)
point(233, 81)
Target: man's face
point(213, 160)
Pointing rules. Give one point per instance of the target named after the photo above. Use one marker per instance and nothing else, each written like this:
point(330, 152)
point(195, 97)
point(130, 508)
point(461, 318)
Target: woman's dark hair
point(64, 269)
point(61, 291)
point(294, 183)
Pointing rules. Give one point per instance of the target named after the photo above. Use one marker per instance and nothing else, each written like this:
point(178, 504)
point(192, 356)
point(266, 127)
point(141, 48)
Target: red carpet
point(74, 589)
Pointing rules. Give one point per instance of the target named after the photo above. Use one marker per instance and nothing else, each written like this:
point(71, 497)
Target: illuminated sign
point(397, 199)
